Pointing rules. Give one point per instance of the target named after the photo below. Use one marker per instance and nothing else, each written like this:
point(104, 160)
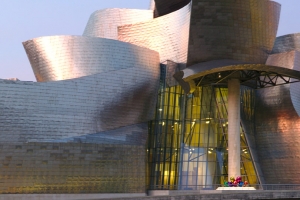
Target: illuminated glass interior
point(187, 145)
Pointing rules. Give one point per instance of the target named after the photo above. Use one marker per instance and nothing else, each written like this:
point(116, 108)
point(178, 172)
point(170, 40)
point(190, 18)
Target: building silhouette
point(140, 102)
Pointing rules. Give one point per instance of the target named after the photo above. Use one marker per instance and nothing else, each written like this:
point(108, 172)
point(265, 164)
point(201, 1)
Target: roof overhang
point(250, 74)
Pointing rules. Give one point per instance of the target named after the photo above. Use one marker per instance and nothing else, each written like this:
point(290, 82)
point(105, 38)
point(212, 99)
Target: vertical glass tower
point(187, 144)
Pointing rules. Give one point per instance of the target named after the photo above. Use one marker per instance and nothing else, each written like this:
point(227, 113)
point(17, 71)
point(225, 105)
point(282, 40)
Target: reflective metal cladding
point(164, 7)
point(104, 23)
point(167, 35)
point(287, 43)
point(91, 104)
point(277, 129)
point(81, 123)
point(239, 30)
point(286, 53)
point(83, 127)
point(65, 57)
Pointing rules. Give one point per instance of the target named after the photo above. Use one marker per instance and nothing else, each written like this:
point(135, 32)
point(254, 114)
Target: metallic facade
point(276, 135)
point(160, 73)
point(83, 126)
point(226, 37)
point(164, 7)
point(167, 35)
point(66, 57)
point(277, 129)
point(104, 23)
point(237, 30)
point(57, 137)
point(290, 60)
point(287, 43)
point(80, 135)
point(57, 110)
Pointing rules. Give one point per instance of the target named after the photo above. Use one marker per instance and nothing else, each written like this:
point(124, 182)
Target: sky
point(21, 20)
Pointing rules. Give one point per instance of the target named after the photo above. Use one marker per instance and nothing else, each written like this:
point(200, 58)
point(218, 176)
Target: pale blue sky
point(21, 20)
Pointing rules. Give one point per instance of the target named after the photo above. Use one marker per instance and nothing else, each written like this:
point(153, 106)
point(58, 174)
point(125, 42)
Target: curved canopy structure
point(252, 75)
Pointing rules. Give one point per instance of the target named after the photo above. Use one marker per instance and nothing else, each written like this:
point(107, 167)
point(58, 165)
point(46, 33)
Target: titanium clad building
point(143, 101)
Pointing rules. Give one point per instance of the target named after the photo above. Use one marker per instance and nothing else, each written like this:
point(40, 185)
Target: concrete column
point(234, 159)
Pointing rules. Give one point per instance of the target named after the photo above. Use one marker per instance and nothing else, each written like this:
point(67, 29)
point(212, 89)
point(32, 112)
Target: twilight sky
point(21, 20)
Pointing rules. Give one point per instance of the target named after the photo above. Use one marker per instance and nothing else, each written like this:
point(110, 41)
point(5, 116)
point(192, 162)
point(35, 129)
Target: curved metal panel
point(104, 23)
point(164, 7)
point(167, 35)
point(277, 130)
point(286, 59)
point(290, 60)
point(287, 43)
point(286, 54)
point(239, 30)
point(66, 57)
point(278, 126)
point(295, 88)
point(81, 130)
point(48, 111)
point(135, 134)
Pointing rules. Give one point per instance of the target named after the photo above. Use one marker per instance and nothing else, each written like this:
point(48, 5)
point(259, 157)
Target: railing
point(214, 187)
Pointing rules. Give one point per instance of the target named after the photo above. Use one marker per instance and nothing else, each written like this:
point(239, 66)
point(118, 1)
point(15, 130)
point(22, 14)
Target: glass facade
point(187, 144)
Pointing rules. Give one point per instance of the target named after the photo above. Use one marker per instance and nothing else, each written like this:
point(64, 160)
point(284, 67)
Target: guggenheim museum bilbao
point(180, 96)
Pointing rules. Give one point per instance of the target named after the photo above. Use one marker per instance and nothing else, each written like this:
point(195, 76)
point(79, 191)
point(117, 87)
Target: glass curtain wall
point(187, 144)
point(165, 136)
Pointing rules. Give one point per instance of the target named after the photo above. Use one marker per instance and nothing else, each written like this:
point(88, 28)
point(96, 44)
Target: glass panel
point(187, 146)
